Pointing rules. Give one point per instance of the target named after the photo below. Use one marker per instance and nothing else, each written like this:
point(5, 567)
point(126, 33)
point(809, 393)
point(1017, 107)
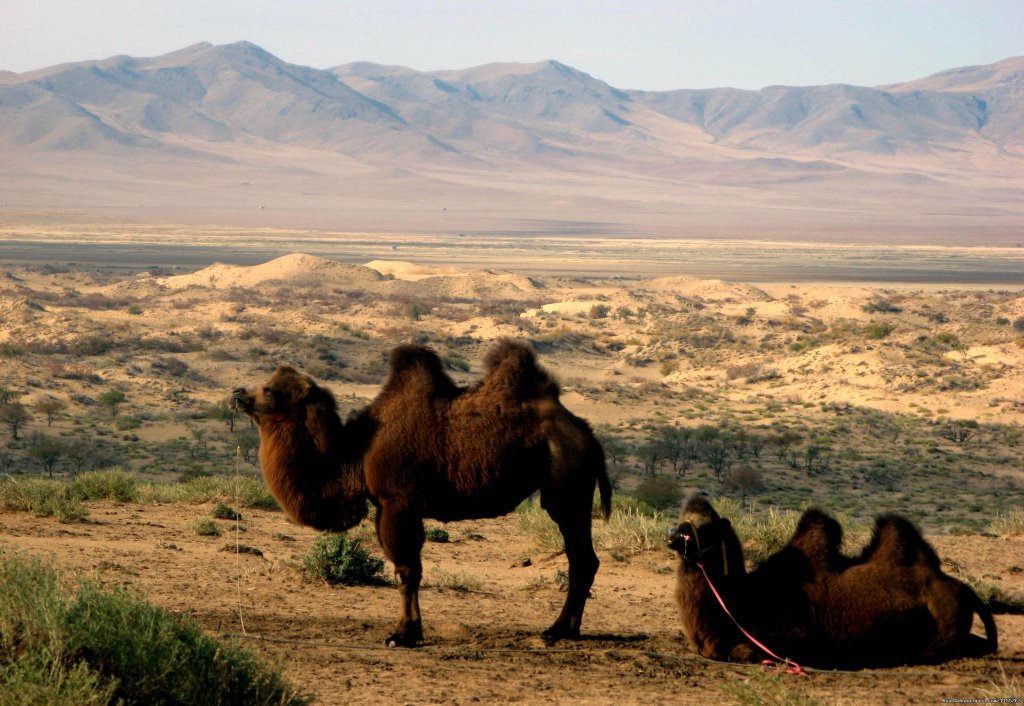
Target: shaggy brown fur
point(891, 605)
point(428, 448)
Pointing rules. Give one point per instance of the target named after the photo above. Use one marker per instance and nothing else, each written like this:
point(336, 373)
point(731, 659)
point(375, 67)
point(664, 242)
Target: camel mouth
point(692, 542)
point(241, 401)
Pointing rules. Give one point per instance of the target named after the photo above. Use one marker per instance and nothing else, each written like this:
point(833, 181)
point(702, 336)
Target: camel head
point(284, 397)
point(703, 537)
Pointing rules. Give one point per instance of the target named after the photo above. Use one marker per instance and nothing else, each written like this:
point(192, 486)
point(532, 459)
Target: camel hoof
point(556, 632)
point(399, 639)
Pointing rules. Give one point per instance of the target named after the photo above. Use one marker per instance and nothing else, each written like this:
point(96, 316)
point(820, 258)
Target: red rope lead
point(791, 666)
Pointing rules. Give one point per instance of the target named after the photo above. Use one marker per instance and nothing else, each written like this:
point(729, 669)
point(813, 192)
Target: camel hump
point(512, 366)
point(418, 367)
point(819, 537)
point(820, 528)
point(698, 504)
point(897, 541)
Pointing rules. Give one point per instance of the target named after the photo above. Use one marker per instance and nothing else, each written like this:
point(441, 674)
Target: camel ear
point(301, 389)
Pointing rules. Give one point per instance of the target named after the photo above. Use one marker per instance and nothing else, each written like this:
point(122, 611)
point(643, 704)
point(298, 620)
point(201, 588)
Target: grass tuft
point(633, 527)
point(455, 581)
point(764, 688)
point(1007, 688)
point(536, 522)
point(1009, 525)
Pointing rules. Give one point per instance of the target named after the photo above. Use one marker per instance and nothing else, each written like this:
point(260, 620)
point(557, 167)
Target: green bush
point(764, 536)
point(335, 558)
point(105, 485)
point(436, 534)
point(225, 512)
point(127, 423)
point(659, 492)
point(878, 331)
point(93, 646)
point(804, 344)
point(44, 498)
point(205, 527)
point(881, 306)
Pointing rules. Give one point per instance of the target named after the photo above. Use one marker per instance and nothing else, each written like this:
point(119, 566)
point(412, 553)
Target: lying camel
point(891, 605)
point(428, 448)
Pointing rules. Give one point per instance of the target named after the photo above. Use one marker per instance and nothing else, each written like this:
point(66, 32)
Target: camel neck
point(317, 477)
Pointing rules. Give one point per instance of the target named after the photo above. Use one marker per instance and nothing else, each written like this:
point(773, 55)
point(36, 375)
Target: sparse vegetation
point(113, 485)
point(88, 645)
point(764, 688)
point(43, 498)
point(454, 581)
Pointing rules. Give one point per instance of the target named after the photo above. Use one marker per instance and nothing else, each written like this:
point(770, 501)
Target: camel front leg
point(400, 534)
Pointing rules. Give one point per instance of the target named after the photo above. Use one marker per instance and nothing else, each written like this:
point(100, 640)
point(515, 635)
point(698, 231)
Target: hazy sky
point(644, 44)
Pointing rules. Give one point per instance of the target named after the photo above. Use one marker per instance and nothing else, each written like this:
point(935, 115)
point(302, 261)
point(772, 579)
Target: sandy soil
point(481, 646)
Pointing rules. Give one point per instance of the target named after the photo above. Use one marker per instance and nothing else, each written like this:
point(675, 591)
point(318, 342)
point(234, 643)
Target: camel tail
point(604, 485)
point(991, 636)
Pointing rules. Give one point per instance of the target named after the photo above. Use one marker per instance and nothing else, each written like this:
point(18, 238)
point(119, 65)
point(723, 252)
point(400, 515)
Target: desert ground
point(868, 381)
point(482, 627)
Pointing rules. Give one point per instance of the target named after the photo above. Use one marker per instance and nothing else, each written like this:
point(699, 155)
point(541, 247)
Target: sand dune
point(295, 268)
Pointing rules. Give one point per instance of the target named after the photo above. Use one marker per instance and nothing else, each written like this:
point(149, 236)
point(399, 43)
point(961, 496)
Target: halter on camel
point(695, 547)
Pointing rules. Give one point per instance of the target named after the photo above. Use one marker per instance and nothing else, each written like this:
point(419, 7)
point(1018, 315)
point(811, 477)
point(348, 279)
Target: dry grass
point(1010, 524)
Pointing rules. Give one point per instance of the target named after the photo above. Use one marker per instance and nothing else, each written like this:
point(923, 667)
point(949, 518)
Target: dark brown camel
point(427, 448)
point(891, 605)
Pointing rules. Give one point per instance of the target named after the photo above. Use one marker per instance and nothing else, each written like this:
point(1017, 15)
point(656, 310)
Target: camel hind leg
point(954, 605)
point(571, 512)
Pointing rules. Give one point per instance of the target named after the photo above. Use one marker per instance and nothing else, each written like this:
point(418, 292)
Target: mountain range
point(232, 134)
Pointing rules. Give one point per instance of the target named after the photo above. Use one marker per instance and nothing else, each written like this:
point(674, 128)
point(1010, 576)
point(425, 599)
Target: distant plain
point(139, 246)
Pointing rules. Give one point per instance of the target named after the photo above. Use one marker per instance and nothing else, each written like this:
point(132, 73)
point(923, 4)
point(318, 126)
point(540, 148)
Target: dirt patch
point(481, 646)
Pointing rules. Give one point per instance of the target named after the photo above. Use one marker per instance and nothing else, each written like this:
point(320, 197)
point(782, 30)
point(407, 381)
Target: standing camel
point(426, 448)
